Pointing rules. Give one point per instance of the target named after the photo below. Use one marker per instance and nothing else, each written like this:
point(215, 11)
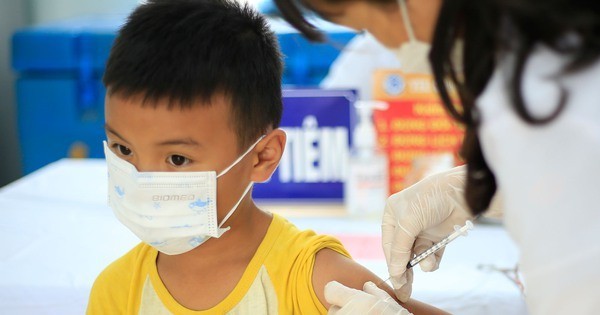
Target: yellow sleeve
point(107, 296)
point(112, 289)
point(302, 272)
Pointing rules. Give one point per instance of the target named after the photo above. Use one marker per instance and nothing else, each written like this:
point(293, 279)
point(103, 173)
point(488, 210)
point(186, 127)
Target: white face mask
point(173, 212)
point(413, 55)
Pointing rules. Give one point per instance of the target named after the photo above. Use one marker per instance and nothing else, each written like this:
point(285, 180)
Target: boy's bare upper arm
point(331, 265)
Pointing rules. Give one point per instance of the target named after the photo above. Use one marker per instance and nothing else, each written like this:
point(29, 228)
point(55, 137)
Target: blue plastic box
point(60, 97)
point(306, 63)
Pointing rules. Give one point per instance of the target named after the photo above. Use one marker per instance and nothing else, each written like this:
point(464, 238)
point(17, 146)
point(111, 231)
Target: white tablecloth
point(59, 234)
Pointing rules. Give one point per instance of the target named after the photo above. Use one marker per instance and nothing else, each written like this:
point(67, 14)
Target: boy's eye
point(178, 160)
point(123, 150)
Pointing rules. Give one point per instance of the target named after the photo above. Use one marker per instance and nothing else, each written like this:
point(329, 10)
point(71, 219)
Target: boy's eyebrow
point(185, 141)
point(109, 129)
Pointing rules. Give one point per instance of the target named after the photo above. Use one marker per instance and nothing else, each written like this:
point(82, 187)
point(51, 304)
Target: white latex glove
point(419, 216)
point(371, 301)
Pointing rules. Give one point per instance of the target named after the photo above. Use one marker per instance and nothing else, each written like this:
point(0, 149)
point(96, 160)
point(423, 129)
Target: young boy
point(192, 108)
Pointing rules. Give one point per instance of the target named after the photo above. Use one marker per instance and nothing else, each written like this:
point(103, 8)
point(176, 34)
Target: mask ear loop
point(406, 20)
point(223, 230)
point(240, 157)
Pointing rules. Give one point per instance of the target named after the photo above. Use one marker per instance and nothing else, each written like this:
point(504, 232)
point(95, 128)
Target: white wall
point(43, 11)
point(52, 10)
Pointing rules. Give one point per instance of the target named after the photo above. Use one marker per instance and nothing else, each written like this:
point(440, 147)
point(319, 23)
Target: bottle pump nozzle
point(365, 134)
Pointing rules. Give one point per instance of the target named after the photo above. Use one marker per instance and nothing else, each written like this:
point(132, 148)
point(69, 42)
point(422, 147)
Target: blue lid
point(65, 46)
point(81, 47)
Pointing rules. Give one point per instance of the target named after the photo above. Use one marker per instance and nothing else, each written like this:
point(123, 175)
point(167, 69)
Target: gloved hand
point(419, 216)
point(371, 301)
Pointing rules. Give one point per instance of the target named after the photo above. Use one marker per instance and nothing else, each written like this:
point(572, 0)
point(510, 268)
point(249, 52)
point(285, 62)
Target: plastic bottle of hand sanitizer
point(366, 187)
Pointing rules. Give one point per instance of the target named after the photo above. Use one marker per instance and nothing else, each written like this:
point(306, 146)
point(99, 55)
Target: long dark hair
point(475, 23)
point(487, 28)
point(292, 12)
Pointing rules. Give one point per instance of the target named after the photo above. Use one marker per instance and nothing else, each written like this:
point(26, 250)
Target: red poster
point(415, 130)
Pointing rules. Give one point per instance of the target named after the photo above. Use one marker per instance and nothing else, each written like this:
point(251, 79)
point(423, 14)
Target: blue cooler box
point(60, 97)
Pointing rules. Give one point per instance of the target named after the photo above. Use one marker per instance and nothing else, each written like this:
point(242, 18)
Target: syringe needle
point(458, 231)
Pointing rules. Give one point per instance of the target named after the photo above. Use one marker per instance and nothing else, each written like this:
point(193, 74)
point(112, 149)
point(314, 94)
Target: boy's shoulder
point(300, 246)
point(313, 261)
point(292, 260)
point(293, 240)
point(121, 269)
point(111, 287)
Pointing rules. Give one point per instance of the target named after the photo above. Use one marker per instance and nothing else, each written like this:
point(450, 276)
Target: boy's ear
point(270, 150)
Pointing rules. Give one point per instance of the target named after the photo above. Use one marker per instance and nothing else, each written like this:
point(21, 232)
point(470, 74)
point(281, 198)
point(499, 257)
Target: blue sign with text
point(315, 161)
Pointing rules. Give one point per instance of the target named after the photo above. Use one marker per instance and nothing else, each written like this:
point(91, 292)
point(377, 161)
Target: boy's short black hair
point(186, 51)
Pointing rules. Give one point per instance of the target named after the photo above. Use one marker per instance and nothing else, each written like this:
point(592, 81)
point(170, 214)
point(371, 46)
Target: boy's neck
point(248, 225)
point(204, 276)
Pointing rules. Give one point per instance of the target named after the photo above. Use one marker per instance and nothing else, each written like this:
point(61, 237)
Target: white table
point(59, 234)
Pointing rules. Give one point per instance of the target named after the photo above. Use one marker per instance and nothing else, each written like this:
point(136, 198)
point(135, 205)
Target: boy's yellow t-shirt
point(278, 279)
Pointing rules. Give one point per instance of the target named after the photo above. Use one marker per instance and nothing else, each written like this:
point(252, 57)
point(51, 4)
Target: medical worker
point(355, 65)
point(528, 76)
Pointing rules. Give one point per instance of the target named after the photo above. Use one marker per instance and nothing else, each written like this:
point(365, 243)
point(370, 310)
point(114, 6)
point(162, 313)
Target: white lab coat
point(550, 178)
point(355, 66)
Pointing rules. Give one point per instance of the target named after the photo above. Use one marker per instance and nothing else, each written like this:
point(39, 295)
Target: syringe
point(458, 231)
